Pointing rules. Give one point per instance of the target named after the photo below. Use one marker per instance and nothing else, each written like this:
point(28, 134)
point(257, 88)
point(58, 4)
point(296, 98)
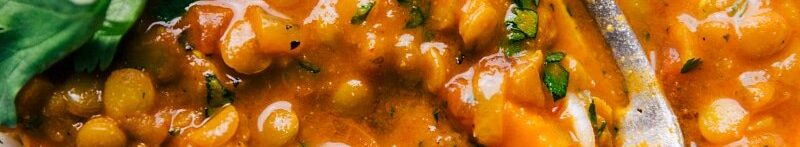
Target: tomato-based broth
point(727, 66)
point(360, 73)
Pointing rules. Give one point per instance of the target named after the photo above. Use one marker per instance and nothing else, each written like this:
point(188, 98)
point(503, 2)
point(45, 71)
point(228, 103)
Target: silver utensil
point(649, 120)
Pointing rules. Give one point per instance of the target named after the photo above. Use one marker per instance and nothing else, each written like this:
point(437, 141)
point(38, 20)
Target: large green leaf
point(34, 34)
point(99, 52)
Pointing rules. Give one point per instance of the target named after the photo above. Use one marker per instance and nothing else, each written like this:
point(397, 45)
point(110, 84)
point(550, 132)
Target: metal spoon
point(649, 120)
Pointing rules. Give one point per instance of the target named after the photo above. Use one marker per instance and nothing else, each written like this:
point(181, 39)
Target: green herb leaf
point(417, 18)
point(592, 110)
point(35, 34)
point(512, 49)
point(216, 94)
point(363, 10)
point(100, 50)
point(554, 57)
point(436, 115)
point(522, 23)
point(516, 35)
point(555, 78)
point(738, 8)
point(527, 4)
point(600, 130)
point(691, 64)
point(309, 67)
point(167, 10)
point(527, 21)
point(592, 114)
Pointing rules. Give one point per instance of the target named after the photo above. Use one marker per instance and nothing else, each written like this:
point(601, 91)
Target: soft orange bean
point(277, 124)
point(127, 92)
point(239, 49)
point(218, 130)
point(100, 132)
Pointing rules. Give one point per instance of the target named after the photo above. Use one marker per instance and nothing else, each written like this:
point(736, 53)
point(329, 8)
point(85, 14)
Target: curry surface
point(301, 73)
point(744, 91)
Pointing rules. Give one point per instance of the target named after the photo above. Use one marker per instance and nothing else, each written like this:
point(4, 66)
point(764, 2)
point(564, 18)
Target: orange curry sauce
point(745, 91)
point(300, 73)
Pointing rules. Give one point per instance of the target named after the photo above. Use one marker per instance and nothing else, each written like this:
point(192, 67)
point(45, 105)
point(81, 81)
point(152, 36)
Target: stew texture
point(419, 73)
point(727, 66)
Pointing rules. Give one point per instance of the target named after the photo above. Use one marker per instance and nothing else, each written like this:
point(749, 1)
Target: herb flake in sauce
point(691, 64)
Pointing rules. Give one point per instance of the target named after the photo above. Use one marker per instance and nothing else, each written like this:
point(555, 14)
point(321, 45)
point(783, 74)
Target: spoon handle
point(648, 120)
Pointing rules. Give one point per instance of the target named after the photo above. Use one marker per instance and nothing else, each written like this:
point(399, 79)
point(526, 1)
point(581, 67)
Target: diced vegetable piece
point(443, 14)
point(127, 92)
point(524, 84)
point(277, 124)
point(478, 20)
point(691, 64)
point(533, 129)
point(487, 82)
point(100, 132)
point(206, 25)
point(489, 121)
point(527, 21)
point(364, 6)
point(460, 98)
point(436, 73)
point(218, 130)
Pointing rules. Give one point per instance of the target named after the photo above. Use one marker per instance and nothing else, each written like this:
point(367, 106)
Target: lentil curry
point(727, 67)
point(419, 73)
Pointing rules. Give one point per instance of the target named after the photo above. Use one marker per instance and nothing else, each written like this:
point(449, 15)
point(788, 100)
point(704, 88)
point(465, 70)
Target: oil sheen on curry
point(728, 67)
point(419, 73)
point(339, 73)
